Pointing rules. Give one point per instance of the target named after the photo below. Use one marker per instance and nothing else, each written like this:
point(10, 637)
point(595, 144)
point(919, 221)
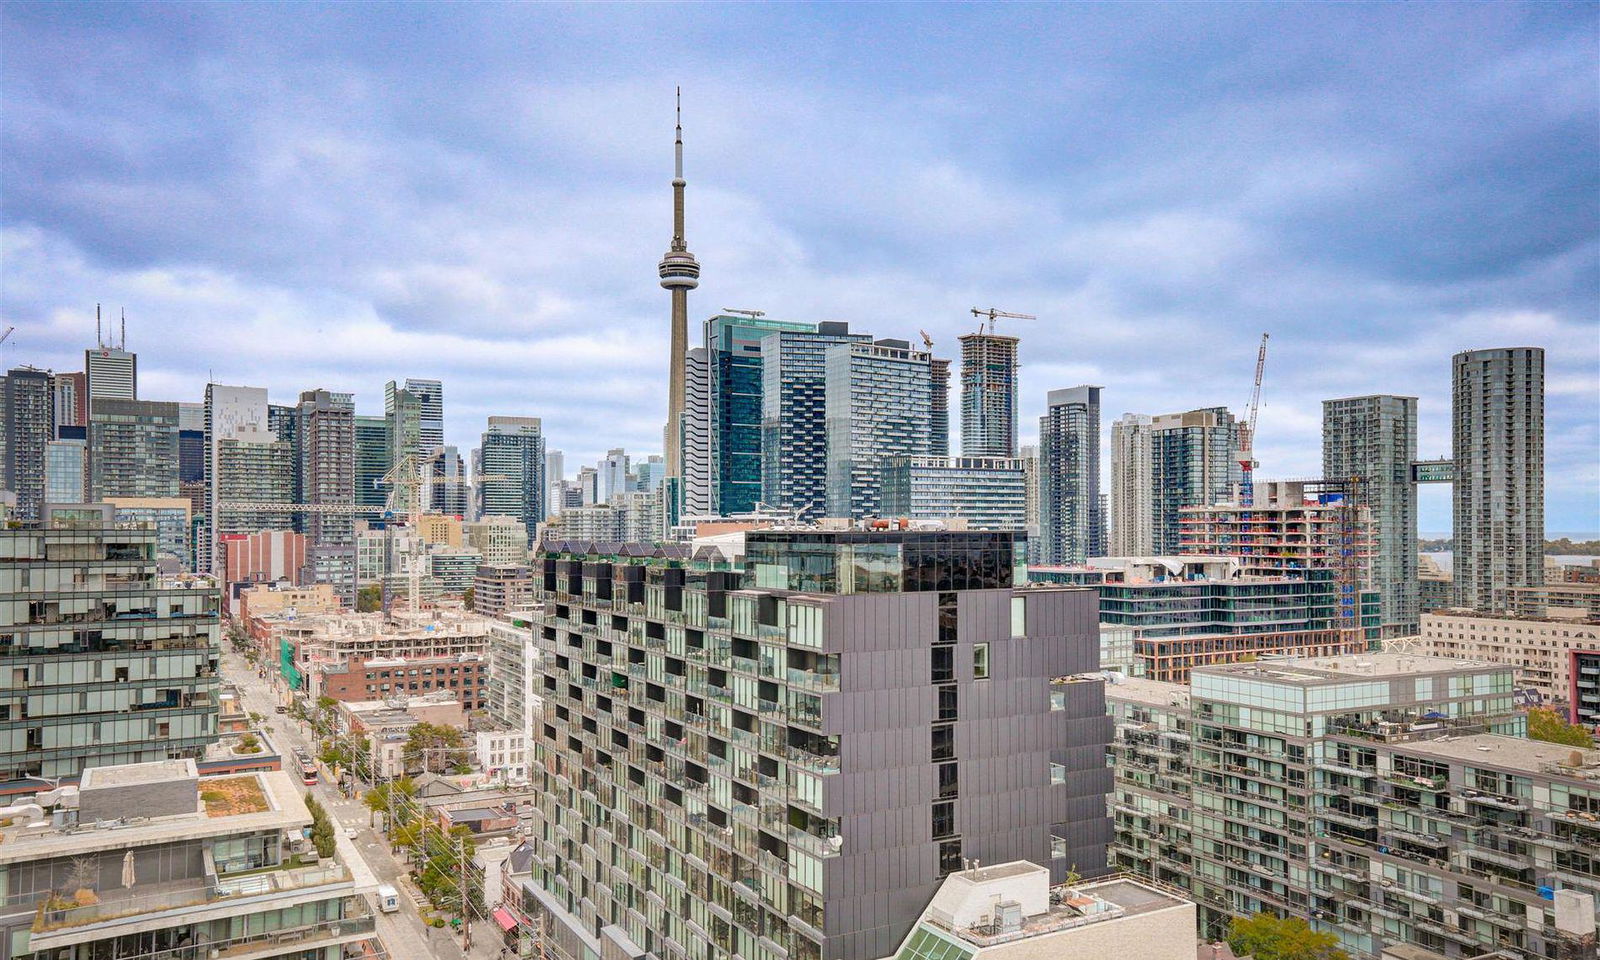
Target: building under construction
point(988, 395)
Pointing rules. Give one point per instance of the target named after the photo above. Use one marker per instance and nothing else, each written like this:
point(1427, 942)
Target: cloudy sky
point(302, 196)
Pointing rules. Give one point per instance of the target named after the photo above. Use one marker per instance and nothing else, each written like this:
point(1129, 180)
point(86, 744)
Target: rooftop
point(137, 774)
point(1156, 693)
point(1314, 670)
point(1516, 754)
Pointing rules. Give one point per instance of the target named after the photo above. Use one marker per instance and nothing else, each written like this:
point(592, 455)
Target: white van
point(388, 898)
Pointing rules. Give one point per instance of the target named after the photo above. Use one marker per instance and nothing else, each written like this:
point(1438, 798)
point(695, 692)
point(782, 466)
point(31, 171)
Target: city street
point(403, 933)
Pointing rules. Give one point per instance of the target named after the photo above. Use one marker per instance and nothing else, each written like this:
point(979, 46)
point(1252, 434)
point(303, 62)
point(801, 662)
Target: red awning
point(503, 917)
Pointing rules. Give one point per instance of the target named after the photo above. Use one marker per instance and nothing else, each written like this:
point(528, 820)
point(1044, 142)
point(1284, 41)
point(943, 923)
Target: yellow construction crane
point(994, 315)
point(927, 341)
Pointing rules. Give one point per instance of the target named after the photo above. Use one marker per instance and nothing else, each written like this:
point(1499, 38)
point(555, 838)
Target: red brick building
point(466, 676)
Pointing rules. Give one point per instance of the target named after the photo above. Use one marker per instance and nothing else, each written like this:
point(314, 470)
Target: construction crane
point(994, 315)
point(927, 341)
point(1247, 432)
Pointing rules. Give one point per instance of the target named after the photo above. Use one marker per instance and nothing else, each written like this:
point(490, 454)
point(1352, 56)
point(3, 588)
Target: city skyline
point(1317, 218)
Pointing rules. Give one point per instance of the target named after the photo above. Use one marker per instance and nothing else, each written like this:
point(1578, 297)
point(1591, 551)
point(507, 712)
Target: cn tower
point(680, 273)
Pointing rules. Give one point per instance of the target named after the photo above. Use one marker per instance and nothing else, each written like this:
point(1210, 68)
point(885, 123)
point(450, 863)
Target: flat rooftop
point(137, 774)
point(1512, 753)
point(1156, 693)
point(1313, 670)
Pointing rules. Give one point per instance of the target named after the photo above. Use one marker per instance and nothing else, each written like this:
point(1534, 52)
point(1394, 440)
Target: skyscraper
point(133, 449)
point(1072, 520)
point(430, 413)
point(513, 480)
point(230, 410)
point(327, 467)
point(72, 400)
point(689, 495)
point(372, 460)
point(29, 425)
point(402, 411)
point(1193, 462)
point(111, 373)
point(1132, 491)
point(794, 422)
point(1498, 445)
point(734, 365)
point(878, 406)
point(939, 404)
point(988, 395)
point(1375, 438)
point(66, 466)
point(680, 273)
point(448, 494)
point(614, 471)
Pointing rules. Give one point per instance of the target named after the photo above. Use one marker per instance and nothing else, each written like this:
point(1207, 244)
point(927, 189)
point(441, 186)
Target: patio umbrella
point(127, 869)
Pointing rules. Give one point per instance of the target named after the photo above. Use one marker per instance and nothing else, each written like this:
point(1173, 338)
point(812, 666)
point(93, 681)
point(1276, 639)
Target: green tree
point(378, 797)
point(369, 599)
point(1547, 725)
point(434, 748)
point(321, 827)
point(1268, 937)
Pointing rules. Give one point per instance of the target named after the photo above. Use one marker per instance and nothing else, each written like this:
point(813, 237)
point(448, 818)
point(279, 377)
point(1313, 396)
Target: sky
point(302, 196)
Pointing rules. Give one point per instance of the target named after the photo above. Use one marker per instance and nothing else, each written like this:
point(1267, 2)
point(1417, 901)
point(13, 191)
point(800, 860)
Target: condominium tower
point(735, 385)
point(793, 745)
point(1498, 445)
point(512, 460)
point(372, 460)
point(1375, 439)
point(104, 663)
point(1193, 462)
point(988, 395)
point(1132, 531)
point(794, 428)
point(29, 426)
point(402, 413)
point(228, 411)
point(133, 448)
point(1072, 519)
point(879, 399)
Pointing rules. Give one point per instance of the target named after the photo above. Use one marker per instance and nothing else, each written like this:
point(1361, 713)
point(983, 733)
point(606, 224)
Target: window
point(1058, 847)
point(944, 820)
point(944, 664)
point(949, 781)
point(1058, 773)
point(1058, 700)
point(980, 661)
point(947, 703)
point(944, 742)
point(949, 857)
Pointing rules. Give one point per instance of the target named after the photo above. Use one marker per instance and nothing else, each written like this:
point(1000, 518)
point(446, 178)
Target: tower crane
point(927, 341)
point(1247, 432)
point(994, 315)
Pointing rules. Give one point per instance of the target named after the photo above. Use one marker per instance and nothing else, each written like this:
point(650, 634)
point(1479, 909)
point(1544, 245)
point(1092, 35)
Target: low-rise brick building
point(466, 676)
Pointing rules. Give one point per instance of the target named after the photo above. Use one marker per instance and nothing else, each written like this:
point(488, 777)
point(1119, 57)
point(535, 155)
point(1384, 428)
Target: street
point(403, 933)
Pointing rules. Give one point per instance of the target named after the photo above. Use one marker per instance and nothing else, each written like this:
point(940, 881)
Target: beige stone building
point(1538, 647)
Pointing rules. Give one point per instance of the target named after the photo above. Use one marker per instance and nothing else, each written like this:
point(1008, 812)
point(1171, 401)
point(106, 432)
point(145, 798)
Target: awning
point(503, 917)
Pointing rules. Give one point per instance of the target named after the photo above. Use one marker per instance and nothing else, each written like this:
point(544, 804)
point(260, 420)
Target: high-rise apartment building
point(29, 426)
point(1072, 516)
point(939, 407)
point(326, 464)
point(1132, 532)
point(689, 493)
point(734, 378)
point(1388, 799)
point(1375, 439)
point(981, 493)
point(988, 395)
point(794, 416)
point(1498, 446)
point(402, 413)
point(813, 731)
point(879, 405)
point(1289, 527)
point(71, 399)
point(252, 467)
point(449, 489)
point(110, 373)
point(1033, 507)
point(649, 473)
point(513, 460)
point(615, 470)
point(372, 460)
point(1193, 462)
point(103, 663)
point(133, 449)
point(430, 414)
point(228, 411)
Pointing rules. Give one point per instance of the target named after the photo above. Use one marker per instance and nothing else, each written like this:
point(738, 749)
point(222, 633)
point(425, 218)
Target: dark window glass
point(949, 857)
point(944, 820)
point(944, 664)
point(949, 781)
point(944, 742)
point(947, 703)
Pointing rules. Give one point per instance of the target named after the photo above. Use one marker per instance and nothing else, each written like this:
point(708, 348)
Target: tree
point(1547, 725)
point(469, 597)
point(378, 797)
point(1268, 937)
point(434, 748)
point(369, 599)
point(321, 827)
